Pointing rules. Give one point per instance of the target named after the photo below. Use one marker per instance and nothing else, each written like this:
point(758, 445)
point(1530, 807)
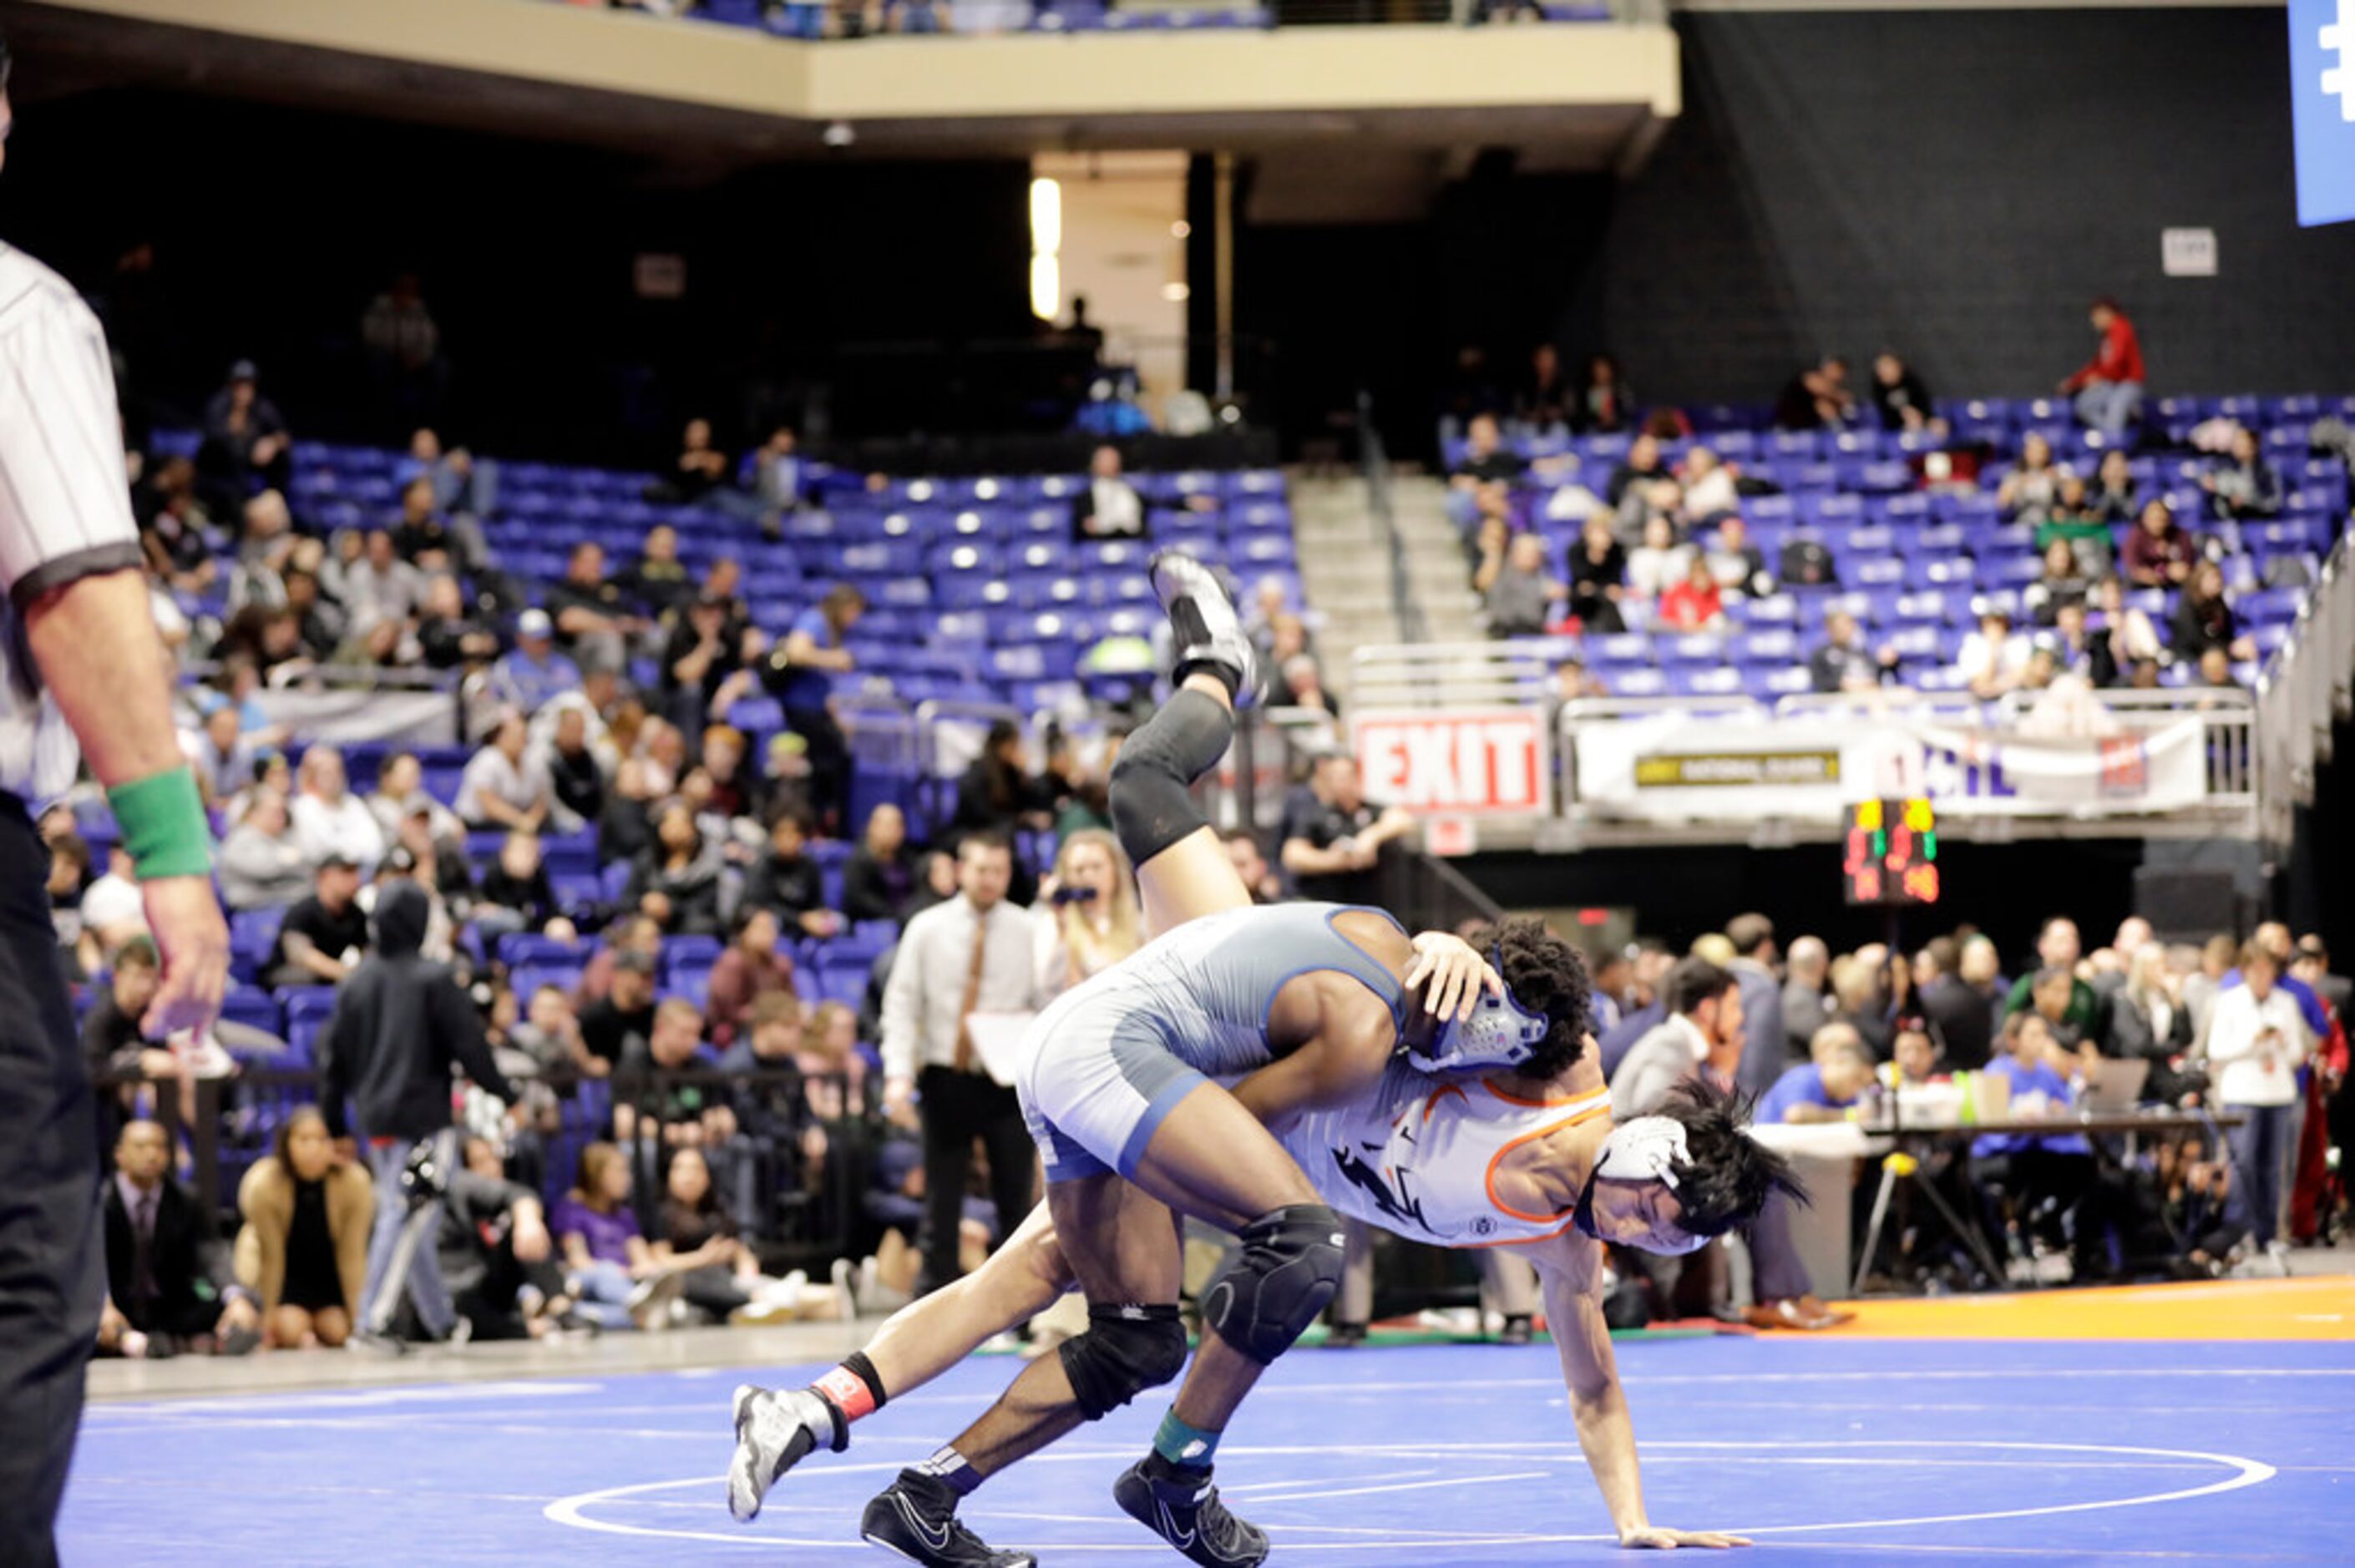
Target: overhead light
point(839, 134)
point(1046, 288)
point(1176, 293)
point(1181, 229)
point(1046, 217)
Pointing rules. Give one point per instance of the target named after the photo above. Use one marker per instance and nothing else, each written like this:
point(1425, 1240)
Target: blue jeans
point(603, 1290)
point(2110, 406)
point(402, 1255)
point(2260, 1154)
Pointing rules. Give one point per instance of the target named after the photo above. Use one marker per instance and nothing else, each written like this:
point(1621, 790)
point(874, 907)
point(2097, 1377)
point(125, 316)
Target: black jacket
point(399, 1025)
point(187, 1262)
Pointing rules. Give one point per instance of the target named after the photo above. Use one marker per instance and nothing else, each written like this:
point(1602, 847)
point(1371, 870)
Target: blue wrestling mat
point(1827, 1450)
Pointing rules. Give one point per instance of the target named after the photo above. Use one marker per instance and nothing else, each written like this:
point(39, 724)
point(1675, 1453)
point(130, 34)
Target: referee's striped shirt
point(65, 503)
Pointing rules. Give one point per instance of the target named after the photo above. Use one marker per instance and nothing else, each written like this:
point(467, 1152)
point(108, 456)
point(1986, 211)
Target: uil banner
point(1679, 768)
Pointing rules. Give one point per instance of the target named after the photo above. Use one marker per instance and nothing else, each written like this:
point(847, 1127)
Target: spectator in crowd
point(1807, 971)
point(2245, 485)
point(616, 1026)
point(1753, 967)
point(2214, 669)
point(114, 1040)
point(1604, 405)
point(302, 1249)
point(1303, 687)
point(221, 755)
point(2063, 582)
point(420, 536)
point(589, 613)
point(169, 1282)
point(787, 883)
point(703, 670)
point(1861, 998)
point(668, 1110)
point(497, 1255)
point(401, 1024)
point(799, 674)
point(532, 673)
point(1486, 461)
point(2046, 1178)
point(1817, 398)
point(2109, 387)
point(1089, 918)
point(2073, 521)
point(608, 1267)
point(381, 592)
point(400, 796)
point(506, 786)
point(245, 446)
point(1250, 860)
point(2159, 552)
point(515, 893)
point(2146, 1015)
point(2125, 640)
point(973, 954)
point(1807, 562)
point(1519, 595)
point(111, 910)
point(2203, 620)
point(879, 880)
point(1660, 561)
point(1598, 576)
point(2030, 490)
point(700, 467)
point(675, 879)
point(2257, 1040)
point(1110, 507)
point(2113, 500)
point(1899, 395)
point(1543, 401)
point(263, 863)
point(656, 582)
point(719, 1276)
point(996, 794)
point(461, 484)
point(1738, 565)
point(1706, 488)
point(447, 637)
point(266, 542)
point(1825, 1086)
point(1331, 837)
point(780, 477)
point(1843, 663)
point(329, 819)
point(576, 780)
point(1993, 660)
point(69, 871)
point(173, 527)
point(1641, 484)
point(750, 969)
point(1695, 603)
point(2059, 946)
point(323, 935)
point(1701, 1023)
point(1962, 1007)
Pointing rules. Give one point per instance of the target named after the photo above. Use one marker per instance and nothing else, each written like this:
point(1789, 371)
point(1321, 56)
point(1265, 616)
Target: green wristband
point(163, 826)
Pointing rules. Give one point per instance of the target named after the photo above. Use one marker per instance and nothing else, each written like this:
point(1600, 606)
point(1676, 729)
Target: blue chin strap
point(1501, 1032)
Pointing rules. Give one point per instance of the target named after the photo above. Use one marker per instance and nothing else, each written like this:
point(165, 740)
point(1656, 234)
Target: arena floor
point(2198, 1424)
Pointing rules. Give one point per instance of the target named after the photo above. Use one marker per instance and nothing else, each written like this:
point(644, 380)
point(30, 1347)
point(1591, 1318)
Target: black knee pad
point(1152, 807)
point(1276, 1283)
point(1125, 1350)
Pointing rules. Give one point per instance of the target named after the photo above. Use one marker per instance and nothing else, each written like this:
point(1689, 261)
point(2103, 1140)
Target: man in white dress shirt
point(972, 953)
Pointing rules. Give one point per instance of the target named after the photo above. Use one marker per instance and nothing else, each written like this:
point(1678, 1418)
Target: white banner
point(1472, 761)
point(1676, 767)
point(342, 717)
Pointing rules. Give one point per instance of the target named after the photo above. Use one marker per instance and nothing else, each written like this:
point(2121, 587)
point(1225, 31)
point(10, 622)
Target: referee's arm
point(70, 559)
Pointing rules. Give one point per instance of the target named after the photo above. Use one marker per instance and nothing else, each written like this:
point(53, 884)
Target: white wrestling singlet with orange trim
point(1421, 1158)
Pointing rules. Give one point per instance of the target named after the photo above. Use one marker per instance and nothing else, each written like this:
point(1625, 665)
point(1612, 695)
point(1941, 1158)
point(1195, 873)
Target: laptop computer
point(2113, 1085)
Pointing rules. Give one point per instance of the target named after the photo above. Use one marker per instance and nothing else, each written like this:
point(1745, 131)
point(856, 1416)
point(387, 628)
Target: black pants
point(957, 1109)
point(829, 765)
point(50, 1261)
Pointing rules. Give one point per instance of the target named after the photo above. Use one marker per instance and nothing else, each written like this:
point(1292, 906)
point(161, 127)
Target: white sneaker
point(774, 1432)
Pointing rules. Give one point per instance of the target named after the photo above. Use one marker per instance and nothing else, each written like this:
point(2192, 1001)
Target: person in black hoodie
point(400, 1023)
point(786, 882)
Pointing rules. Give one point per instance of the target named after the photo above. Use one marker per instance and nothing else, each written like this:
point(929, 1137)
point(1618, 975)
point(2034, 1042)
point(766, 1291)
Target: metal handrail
point(1374, 465)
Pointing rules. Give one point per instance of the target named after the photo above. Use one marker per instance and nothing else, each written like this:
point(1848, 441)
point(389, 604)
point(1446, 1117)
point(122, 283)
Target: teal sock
point(1184, 1447)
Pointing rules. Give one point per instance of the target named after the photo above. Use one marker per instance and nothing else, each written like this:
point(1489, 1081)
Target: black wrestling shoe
point(1189, 1517)
point(776, 1430)
point(1208, 631)
point(915, 1516)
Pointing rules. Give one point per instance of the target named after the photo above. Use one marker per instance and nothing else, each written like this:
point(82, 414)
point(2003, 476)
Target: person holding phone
point(1088, 919)
point(2257, 1038)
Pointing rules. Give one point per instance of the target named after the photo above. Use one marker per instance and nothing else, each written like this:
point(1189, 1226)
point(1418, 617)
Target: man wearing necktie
point(974, 953)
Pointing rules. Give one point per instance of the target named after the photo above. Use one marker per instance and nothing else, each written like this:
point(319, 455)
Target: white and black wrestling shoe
point(775, 1430)
point(1188, 1515)
point(915, 1516)
point(1207, 629)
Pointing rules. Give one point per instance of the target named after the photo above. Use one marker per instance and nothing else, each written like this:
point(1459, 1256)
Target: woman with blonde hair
point(302, 1249)
point(1090, 911)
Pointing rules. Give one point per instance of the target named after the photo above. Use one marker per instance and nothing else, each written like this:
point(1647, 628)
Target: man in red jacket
point(2108, 389)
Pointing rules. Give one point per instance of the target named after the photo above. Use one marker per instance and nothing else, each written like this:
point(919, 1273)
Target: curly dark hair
point(1545, 975)
point(1730, 1174)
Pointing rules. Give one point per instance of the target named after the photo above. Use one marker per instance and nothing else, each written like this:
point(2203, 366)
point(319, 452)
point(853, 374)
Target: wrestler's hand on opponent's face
point(1652, 1538)
point(1452, 974)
